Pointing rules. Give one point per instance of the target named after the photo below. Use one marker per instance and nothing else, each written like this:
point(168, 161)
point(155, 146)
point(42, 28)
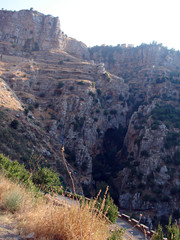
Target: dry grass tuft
point(70, 221)
point(46, 218)
point(14, 197)
point(62, 222)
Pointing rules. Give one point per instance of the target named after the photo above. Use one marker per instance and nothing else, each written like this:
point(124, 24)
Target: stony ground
point(8, 228)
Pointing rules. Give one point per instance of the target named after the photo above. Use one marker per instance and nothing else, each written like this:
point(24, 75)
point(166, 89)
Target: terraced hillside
point(116, 111)
point(69, 100)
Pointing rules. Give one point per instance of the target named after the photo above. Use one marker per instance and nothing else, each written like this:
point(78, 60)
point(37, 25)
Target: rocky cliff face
point(148, 162)
point(29, 30)
point(117, 114)
point(77, 101)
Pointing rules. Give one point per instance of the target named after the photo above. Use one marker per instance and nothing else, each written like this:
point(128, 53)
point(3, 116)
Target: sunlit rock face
point(30, 30)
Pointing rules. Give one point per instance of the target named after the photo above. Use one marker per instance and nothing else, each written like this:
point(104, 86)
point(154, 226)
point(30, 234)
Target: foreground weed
point(13, 200)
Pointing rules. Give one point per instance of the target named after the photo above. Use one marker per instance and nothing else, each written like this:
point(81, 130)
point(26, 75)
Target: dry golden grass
point(14, 197)
point(45, 219)
point(63, 222)
point(48, 221)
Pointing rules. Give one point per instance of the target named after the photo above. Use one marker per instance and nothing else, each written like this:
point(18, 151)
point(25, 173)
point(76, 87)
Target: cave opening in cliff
point(113, 141)
point(104, 169)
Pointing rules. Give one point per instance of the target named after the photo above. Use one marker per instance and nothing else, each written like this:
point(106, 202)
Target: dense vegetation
point(172, 231)
point(43, 178)
point(168, 114)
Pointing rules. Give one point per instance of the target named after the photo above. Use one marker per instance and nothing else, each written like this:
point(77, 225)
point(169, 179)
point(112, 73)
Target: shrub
point(109, 79)
point(158, 234)
point(166, 113)
point(13, 200)
point(155, 125)
point(71, 88)
point(14, 197)
point(60, 85)
point(78, 124)
point(113, 111)
point(176, 158)
point(145, 153)
point(160, 80)
point(142, 186)
point(36, 105)
point(30, 108)
point(105, 112)
point(165, 198)
point(136, 163)
point(117, 234)
point(14, 124)
point(36, 47)
point(58, 92)
point(14, 170)
point(61, 62)
point(99, 91)
point(81, 82)
point(42, 95)
point(26, 111)
point(172, 139)
point(173, 230)
point(47, 179)
point(149, 198)
point(175, 190)
point(84, 166)
point(110, 208)
point(121, 98)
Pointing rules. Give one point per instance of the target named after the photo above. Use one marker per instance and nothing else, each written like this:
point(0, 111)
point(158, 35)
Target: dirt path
point(8, 229)
point(134, 233)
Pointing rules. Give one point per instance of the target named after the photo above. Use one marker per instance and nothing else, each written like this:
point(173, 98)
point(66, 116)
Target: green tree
point(110, 208)
point(158, 234)
point(173, 230)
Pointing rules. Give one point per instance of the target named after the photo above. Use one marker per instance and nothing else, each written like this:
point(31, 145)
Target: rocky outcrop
point(76, 48)
point(149, 160)
point(150, 171)
point(29, 30)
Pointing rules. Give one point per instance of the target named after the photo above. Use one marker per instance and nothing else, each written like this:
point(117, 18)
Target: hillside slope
point(115, 109)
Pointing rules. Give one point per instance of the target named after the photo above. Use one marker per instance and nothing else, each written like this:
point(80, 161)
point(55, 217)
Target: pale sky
point(112, 22)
